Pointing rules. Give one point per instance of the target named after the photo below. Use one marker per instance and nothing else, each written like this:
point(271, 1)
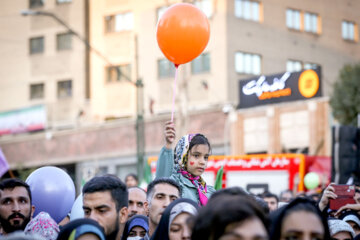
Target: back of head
point(79, 227)
point(109, 183)
point(11, 183)
point(163, 180)
point(213, 219)
point(231, 191)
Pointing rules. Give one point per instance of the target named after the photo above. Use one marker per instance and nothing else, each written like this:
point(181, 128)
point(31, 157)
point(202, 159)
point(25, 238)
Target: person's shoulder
point(210, 189)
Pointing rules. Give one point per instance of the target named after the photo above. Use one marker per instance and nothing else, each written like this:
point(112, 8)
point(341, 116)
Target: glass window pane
point(314, 23)
point(256, 64)
point(297, 20)
point(247, 10)
point(37, 91)
point(64, 89)
point(289, 23)
point(351, 31)
point(63, 41)
point(160, 12)
point(307, 24)
point(255, 11)
point(36, 45)
point(128, 21)
point(344, 30)
point(239, 62)
point(238, 8)
point(248, 62)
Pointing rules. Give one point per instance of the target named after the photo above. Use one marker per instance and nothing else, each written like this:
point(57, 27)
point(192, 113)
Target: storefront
point(282, 113)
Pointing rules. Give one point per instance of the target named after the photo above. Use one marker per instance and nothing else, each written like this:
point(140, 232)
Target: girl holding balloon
point(187, 164)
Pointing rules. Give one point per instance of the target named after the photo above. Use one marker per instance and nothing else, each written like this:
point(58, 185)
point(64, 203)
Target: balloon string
point(174, 93)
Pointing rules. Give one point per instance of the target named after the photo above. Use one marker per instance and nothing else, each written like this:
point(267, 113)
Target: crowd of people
point(178, 204)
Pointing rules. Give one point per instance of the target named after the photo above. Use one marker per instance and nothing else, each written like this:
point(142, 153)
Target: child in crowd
point(187, 164)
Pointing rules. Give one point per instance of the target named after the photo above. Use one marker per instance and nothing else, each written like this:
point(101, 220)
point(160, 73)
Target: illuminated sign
point(281, 87)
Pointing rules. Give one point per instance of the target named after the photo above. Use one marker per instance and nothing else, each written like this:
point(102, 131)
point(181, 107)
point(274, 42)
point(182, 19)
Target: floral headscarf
point(44, 226)
point(180, 161)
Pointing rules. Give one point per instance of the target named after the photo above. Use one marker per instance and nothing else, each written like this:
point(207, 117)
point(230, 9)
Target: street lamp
point(140, 126)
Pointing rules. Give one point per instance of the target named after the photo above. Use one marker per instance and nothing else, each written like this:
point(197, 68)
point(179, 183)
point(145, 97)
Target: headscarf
point(43, 225)
point(298, 204)
point(178, 206)
point(78, 227)
point(134, 221)
point(180, 161)
point(337, 225)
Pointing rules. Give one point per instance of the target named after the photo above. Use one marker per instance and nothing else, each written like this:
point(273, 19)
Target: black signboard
point(283, 87)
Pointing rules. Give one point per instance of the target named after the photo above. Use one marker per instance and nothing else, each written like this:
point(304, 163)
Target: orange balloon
point(183, 32)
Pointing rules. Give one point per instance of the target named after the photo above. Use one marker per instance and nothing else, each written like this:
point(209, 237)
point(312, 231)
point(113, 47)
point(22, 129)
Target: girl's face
point(179, 229)
point(302, 225)
point(197, 159)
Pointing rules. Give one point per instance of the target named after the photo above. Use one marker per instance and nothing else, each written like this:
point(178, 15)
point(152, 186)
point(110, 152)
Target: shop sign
point(283, 87)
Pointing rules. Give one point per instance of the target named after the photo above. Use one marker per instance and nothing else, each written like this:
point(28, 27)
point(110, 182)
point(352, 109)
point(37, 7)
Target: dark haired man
point(105, 200)
point(160, 193)
point(16, 209)
point(272, 200)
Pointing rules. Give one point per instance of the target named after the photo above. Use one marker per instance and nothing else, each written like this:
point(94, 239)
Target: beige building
point(248, 38)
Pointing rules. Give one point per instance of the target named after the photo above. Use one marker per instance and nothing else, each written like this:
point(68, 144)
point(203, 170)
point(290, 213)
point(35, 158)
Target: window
point(311, 65)
point(311, 23)
point(201, 64)
point(37, 91)
point(166, 69)
point(64, 89)
point(246, 9)
point(349, 31)
point(160, 11)
point(119, 22)
point(63, 1)
point(247, 63)
point(119, 73)
point(205, 6)
point(36, 3)
point(293, 66)
point(293, 19)
point(297, 66)
point(36, 45)
point(63, 41)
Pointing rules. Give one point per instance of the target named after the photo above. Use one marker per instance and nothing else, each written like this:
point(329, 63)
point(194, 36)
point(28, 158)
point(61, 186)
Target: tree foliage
point(345, 100)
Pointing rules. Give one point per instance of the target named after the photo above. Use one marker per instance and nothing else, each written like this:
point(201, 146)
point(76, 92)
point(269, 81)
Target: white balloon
point(77, 208)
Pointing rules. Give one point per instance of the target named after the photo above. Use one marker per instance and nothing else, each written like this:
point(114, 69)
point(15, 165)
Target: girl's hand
point(329, 193)
point(169, 133)
point(355, 207)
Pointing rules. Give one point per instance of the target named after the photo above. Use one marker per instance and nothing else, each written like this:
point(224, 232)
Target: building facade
point(92, 100)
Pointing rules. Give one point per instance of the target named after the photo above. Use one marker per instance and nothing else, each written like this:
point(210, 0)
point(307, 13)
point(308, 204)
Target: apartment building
point(93, 129)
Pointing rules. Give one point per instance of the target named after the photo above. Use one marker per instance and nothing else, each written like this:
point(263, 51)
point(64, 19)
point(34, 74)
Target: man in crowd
point(286, 196)
point(105, 200)
point(272, 201)
point(16, 208)
point(160, 193)
point(137, 201)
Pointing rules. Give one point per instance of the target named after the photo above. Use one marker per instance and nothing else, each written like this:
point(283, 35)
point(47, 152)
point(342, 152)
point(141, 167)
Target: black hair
point(231, 191)
point(132, 175)
point(270, 195)
point(199, 139)
point(213, 219)
point(162, 180)
point(110, 183)
point(298, 204)
point(11, 183)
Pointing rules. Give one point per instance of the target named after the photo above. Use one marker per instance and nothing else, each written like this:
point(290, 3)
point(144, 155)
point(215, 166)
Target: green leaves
point(345, 100)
